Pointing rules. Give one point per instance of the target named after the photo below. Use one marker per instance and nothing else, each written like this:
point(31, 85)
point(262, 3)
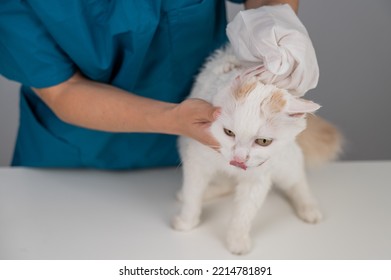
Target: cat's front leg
point(292, 180)
point(195, 180)
point(248, 199)
point(303, 201)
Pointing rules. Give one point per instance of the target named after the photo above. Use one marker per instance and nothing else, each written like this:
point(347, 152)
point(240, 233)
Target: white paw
point(310, 214)
point(238, 244)
point(180, 224)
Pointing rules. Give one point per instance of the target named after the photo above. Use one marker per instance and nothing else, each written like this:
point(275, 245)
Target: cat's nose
point(240, 159)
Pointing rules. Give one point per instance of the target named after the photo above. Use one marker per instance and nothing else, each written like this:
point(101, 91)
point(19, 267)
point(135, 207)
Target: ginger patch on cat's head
point(276, 102)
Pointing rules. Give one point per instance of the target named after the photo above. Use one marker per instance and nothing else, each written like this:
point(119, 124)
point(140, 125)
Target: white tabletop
point(85, 214)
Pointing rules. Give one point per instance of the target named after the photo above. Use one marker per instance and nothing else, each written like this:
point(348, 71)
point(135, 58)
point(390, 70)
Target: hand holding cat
point(193, 118)
point(273, 37)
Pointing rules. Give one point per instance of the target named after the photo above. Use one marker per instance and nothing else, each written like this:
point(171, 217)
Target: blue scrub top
point(151, 48)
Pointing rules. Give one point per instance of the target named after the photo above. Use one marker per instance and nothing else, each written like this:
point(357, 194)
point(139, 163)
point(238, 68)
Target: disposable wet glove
point(274, 38)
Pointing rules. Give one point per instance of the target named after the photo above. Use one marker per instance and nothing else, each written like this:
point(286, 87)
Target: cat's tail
point(320, 141)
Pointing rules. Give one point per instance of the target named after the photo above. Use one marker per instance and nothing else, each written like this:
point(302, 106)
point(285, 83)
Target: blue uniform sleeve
point(237, 1)
point(28, 54)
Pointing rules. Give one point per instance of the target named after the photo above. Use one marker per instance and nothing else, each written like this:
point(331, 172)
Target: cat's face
point(256, 121)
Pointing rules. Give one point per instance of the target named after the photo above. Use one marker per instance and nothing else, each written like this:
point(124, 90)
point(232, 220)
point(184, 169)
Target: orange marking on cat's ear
point(276, 102)
point(244, 89)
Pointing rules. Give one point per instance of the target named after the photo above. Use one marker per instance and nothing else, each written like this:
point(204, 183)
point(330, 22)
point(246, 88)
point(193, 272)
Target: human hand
point(193, 117)
point(273, 38)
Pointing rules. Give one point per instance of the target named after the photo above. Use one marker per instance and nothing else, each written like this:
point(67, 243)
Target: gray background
point(352, 39)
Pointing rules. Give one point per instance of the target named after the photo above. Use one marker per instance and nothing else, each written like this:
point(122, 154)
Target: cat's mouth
point(239, 164)
point(242, 165)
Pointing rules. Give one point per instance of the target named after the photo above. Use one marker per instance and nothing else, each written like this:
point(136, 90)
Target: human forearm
point(93, 105)
point(251, 4)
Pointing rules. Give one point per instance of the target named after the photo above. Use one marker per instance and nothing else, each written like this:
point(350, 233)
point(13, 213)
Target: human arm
point(82, 102)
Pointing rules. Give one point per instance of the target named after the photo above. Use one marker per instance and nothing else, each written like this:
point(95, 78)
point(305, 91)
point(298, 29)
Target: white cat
point(257, 132)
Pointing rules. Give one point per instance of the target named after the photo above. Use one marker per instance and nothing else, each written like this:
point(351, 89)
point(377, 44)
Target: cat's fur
point(251, 110)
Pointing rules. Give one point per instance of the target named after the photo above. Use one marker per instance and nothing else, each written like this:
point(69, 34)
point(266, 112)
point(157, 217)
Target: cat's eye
point(263, 142)
point(229, 132)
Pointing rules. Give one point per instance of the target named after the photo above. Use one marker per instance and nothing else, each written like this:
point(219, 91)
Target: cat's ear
point(298, 107)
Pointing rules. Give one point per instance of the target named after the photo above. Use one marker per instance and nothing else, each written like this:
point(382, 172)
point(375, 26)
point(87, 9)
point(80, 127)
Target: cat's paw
point(239, 244)
point(310, 214)
point(180, 224)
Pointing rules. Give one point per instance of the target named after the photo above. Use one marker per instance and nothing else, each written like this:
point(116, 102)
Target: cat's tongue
point(238, 164)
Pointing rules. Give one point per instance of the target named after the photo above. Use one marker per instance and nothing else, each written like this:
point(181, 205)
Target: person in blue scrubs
point(103, 82)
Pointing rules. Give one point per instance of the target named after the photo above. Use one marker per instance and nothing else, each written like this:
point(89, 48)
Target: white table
point(86, 214)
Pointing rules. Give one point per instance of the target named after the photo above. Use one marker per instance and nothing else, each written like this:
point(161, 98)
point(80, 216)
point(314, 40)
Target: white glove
point(273, 38)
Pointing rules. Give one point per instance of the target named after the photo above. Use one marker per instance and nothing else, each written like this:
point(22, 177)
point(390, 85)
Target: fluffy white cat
point(257, 131)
